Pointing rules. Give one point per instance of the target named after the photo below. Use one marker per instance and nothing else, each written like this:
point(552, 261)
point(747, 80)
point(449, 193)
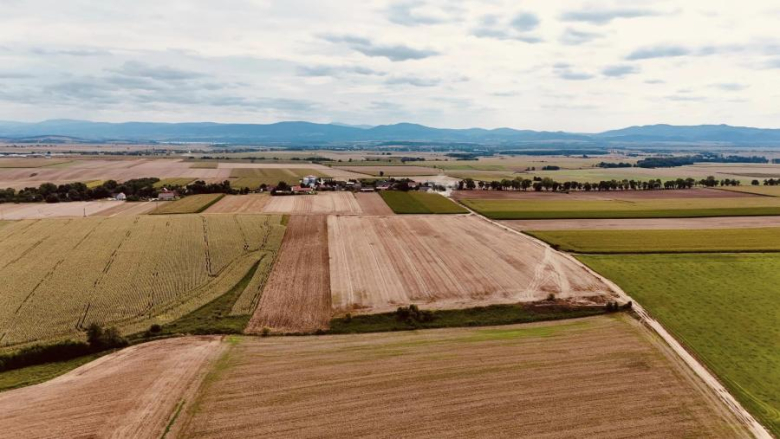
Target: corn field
point(60, 275)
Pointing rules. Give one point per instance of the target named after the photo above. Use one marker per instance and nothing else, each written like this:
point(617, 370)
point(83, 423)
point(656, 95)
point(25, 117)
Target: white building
point(120, 196)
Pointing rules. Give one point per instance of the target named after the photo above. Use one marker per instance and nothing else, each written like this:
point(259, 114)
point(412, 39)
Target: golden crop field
point(190, 204)
point(60, 275)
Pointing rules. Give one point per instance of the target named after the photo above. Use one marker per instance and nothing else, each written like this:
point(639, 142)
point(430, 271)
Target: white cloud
point(580, 65)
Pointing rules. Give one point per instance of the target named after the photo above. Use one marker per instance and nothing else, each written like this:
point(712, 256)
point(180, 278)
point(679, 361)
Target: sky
point(580, 66)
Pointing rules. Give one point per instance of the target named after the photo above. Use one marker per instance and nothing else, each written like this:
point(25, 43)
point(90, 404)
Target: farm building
point(167, 195)
point(309, 180)
point(120, 196)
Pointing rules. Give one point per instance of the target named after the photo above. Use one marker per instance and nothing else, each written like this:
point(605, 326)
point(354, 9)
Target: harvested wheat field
point(343, 203)
point(251, 203)
point(297, 295)
point(371, 203)
point(75, 209)
point(131, 393)
point(601, 377)
point(60, 275)
point(380, 263)
point(128, 209)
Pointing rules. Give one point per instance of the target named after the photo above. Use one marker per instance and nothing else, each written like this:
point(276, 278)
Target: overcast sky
point(570, 65)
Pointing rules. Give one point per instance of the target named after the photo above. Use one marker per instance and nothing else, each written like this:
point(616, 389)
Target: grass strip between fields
point(663, 241)
point(493, 315)
point(414, 202)
point(30, 375)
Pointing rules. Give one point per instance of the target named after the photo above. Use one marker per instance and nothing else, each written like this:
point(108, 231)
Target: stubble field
point(380, 263)
point(189, 204)
point(597, 377)
point(131, 393)
point(297, 296)
point(342, 203)
point(60, 275)
point(250, 203)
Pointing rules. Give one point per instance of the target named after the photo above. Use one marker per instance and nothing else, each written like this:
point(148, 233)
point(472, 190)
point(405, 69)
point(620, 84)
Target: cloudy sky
point(535, 64)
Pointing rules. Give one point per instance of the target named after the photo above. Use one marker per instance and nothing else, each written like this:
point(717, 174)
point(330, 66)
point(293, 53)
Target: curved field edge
point(759, 240)
point(720, 308)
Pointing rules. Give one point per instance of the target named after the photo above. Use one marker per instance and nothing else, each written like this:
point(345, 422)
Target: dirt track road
point(702, 372)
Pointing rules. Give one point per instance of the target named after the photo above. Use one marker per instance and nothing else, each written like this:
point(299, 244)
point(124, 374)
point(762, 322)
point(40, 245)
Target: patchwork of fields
point(723, 307)
point(61, 275)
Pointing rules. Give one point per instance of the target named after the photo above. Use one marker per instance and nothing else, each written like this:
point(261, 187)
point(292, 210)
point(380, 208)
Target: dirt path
point(297, 295)
point(131, 393)
point(702, 372)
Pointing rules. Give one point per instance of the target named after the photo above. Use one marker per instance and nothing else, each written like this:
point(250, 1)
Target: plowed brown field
point(252, 203)
point(343, 203)
point(603, 377)
point(132, 393)
point(380, 263)
point(371, 203)
point(297, 295)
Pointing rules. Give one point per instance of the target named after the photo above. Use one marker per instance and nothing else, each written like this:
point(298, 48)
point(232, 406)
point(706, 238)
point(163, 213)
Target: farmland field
point(414, 202)
point(772, 191)
point(254, 177)
point(734, 222)
point(390, 170)
point(723, 307)
point(342, 203)
point(190, 204)
point(131, 393)
point(380, 263)
point(60, 275)
point(663, 241)
point(250, 203)
point(297, 296)
point(75, 209)
point(596, 377)
point(658, 208)
point(371, 203)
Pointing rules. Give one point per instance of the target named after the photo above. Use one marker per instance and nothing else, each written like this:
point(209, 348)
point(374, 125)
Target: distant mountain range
point(306, 132)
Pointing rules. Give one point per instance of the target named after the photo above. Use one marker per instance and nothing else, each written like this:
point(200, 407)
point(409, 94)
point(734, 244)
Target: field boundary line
point(755, 427)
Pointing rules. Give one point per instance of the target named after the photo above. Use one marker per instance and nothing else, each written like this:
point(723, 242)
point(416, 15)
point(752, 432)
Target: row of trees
point(135, 190)
point(548, 184)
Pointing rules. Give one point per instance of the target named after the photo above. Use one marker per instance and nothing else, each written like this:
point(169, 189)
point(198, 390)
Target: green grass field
point(191, 204)
point(28, 376)
point(769, 191)
point(254, 177)
point(663, 241)
point(413, 202)
point(723, 307)
point(168, 182)
point(204, 165)
point(651, 208)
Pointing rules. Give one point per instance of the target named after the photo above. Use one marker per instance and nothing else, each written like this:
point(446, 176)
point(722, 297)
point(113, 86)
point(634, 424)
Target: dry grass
point(251, 203)
point(598, 377)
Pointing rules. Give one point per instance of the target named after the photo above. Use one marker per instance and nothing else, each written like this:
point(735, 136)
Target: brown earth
point(296, 297)
point(251, 203)
point(131, 393)
point(380, 263)
point(746, 222)
point(343, 203)
point(596, 195)
point(605, 377)
point(371, 203)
